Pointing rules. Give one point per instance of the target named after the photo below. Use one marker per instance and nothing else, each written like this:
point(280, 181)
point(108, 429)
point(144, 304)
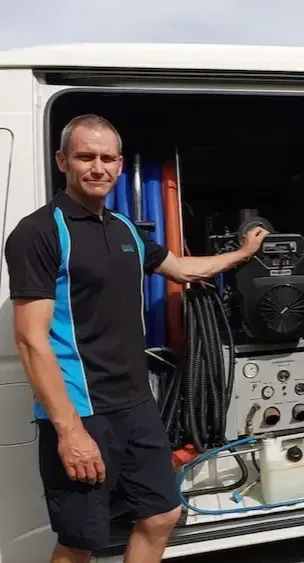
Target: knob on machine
point(298, 412)
point(272, 416)
point(294, 454)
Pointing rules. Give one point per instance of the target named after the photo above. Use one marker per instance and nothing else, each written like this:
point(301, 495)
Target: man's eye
point(86, 157)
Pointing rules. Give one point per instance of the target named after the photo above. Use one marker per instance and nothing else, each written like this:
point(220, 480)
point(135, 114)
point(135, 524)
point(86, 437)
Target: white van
point(236, 117)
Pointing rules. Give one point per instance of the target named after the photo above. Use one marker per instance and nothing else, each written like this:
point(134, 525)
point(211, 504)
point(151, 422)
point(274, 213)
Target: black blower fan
point(271, 286)
point(282, 308)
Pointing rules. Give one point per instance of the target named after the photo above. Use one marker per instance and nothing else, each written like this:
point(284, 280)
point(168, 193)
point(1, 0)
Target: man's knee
point(70, 555)
point(160, 524)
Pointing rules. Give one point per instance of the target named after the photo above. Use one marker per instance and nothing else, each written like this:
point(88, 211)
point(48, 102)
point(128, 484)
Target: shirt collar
point(75, 210)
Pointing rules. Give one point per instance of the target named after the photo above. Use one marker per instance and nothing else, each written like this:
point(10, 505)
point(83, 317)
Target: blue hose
point(207, 456)
point(110, 200)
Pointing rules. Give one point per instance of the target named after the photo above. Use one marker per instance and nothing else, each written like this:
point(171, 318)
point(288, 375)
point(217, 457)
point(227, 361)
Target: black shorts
point(135, 449)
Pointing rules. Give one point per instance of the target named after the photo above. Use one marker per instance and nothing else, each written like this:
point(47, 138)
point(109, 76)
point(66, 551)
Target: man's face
point(92, 163)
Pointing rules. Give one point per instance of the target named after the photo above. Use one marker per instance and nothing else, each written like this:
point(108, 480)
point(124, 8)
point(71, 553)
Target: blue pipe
point(205, 457)
point(110, 200)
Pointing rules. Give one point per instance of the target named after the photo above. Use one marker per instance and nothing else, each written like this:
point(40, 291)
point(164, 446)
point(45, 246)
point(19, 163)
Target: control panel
point(282, 251)
point(269, 392)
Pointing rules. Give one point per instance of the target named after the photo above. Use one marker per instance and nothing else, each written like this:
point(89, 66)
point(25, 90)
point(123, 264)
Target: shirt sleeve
point(155, 254)
point(32, 261)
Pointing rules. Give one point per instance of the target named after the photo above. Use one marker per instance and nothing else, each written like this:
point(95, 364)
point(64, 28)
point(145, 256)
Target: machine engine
point(265, 296)
point(271, 290)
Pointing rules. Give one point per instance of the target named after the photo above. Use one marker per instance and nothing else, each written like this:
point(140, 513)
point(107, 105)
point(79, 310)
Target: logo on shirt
point(128, 248)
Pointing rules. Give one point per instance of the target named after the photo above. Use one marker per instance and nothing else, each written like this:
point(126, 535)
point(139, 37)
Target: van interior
point(236, 152)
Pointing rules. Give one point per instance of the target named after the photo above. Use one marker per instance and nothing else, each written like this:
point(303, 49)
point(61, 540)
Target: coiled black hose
point(199, 394)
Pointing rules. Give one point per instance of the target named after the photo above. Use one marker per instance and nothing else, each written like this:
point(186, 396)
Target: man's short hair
point(91, 121)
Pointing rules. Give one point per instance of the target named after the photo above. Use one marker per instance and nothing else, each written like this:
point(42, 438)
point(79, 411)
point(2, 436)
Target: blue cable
point(220, 284)
point(207, 456)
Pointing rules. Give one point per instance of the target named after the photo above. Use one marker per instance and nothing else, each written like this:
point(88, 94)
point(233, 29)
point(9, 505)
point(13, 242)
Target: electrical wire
point(150, 352)
point(255, 463)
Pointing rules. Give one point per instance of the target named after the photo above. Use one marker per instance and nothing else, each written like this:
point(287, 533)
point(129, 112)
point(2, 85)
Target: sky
point(258, 22)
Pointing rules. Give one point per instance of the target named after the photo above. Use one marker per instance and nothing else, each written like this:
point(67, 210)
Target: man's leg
point(150, 537)
point(66, 555)
point(79, 512)
point(147, 483)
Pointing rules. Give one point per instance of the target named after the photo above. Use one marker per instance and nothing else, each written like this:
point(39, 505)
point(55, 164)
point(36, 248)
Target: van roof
point(157, 55)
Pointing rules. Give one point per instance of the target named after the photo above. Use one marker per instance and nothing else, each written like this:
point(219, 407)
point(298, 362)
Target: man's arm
point(79, 453)
point(192, 269)
point(32, 260)
point(31, 322)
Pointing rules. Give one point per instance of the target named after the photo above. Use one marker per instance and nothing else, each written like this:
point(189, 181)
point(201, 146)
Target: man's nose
point(97, 166)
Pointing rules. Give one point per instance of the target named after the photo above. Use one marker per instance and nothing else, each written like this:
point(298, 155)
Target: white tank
point(282, 468)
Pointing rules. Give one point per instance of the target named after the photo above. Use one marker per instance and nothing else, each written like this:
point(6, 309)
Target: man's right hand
point(81, 456)
point(253, 241)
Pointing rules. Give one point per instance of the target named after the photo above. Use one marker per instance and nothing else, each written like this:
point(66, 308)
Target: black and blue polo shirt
point(93, 269)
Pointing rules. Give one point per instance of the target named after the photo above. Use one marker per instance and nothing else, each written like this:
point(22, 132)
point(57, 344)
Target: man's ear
point(61, 161)
point(121, 164)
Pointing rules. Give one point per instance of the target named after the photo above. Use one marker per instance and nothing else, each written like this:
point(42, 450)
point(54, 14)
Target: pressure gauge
point(283, 375)
point(299, 388)
point(250, 370)
point(267, 392)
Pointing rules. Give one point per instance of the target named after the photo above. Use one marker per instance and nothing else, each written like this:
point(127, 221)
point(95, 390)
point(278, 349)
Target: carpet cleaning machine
point(241, 379)
point(231, 372)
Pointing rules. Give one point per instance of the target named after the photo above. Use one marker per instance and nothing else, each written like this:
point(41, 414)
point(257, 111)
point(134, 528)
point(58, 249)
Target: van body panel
point(157, 55)
point(24, 527)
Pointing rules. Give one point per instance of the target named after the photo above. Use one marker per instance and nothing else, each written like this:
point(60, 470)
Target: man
point(76, 284)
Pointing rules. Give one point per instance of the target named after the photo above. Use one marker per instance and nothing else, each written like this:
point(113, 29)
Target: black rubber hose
point(225, 488)
point(190, 379)
point(199, 384)
point(221, 370)
point(168, 394)
point(204, 323)
point(224, 389)
point(226, 392)
point(195, 428)
point(201, 395)
point(230, 381)
point(255, 463)
point(198, 396)
point(174, 399)
point(187, 358)
point(208, 320)
point(172, 411)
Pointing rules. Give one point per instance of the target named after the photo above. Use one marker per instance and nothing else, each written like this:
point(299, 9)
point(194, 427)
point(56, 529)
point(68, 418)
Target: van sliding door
point(24, 525)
